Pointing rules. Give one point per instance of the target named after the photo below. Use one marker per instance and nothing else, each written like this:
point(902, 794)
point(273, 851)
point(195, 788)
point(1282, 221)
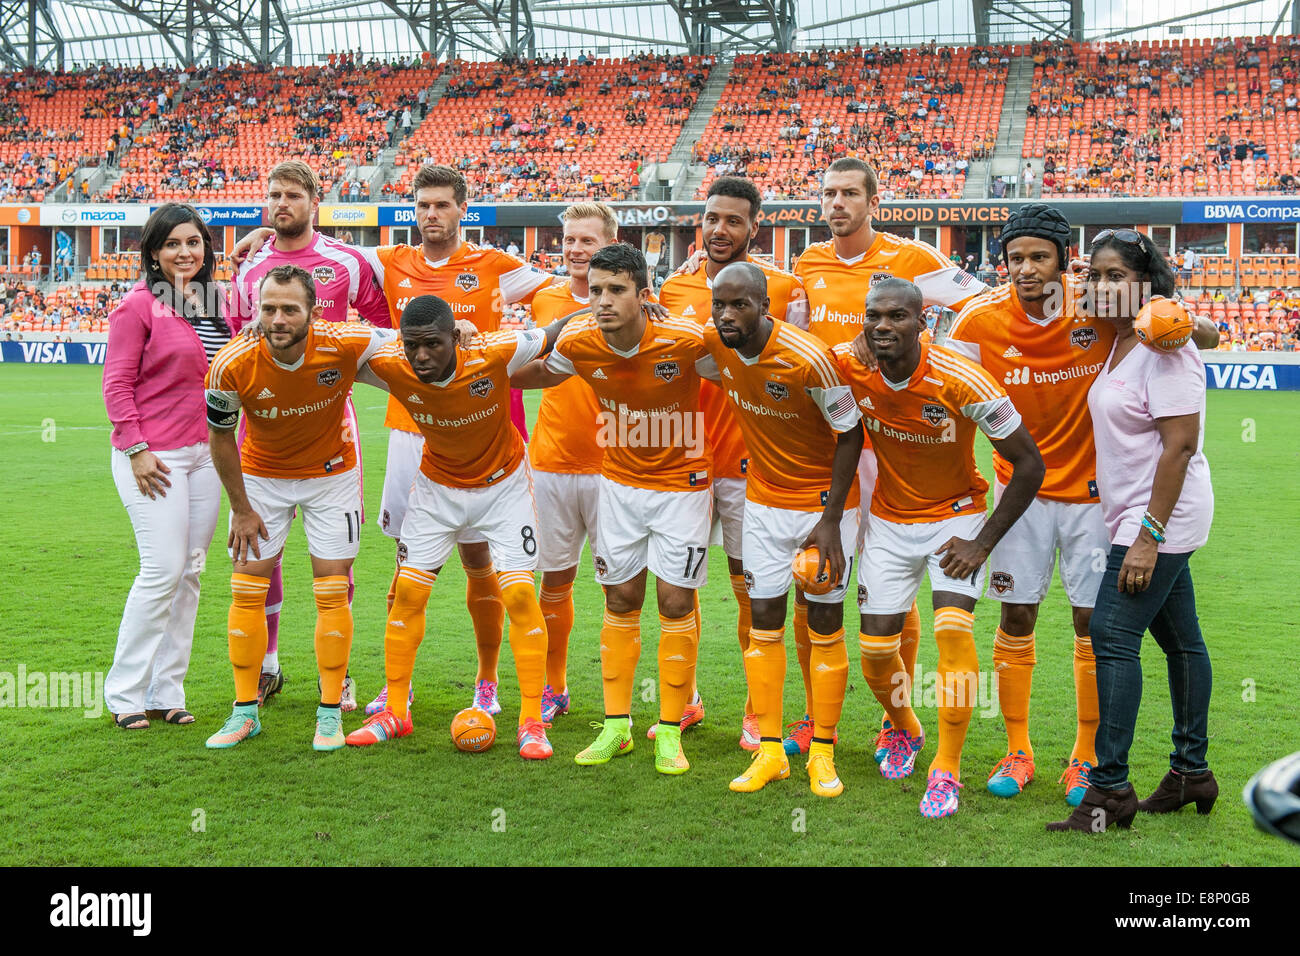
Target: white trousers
point(172, 535)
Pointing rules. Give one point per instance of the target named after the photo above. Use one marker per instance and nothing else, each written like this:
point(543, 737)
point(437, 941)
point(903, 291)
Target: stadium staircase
point(693, 175)
point(1006, 159)
point(384, 172)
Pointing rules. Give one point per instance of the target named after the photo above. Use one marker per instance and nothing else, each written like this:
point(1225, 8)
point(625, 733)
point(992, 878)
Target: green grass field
point(79, 791)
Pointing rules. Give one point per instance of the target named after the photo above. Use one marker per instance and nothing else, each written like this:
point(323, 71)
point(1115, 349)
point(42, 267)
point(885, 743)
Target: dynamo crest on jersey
point(467, 282)
point(880, 277)
point(667, 370)
point(329, 378)
point(778, 391)
point(323, 274)
point(1083, 338)
point(1001, 581)
point(481, 387)
point(934, 414)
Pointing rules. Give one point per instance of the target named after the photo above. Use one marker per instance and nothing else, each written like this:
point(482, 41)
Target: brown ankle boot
point(1177, 790)
point(1100, 809)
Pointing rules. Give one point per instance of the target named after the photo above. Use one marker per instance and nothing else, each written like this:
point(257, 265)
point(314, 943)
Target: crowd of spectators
point(68, 309)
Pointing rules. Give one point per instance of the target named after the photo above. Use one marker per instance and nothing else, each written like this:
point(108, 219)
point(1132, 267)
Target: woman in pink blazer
point(160, 340)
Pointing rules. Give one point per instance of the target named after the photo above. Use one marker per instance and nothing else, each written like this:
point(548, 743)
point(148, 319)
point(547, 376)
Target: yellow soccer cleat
point(822, 778)
point(763, 769)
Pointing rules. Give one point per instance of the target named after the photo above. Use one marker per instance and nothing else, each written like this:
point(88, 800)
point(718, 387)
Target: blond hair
point(297, 172)
point(594, 210)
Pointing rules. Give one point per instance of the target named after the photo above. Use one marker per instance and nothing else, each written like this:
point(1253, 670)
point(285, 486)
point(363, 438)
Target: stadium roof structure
point(52, 34)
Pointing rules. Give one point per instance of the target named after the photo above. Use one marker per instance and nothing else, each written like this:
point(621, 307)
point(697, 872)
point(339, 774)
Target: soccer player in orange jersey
point(564, 453)
point(804, 435)
point(922, 405)
point(473, 475)
point(731, 214)
point(654, 503)
point(1036, 338)
point(292, 384)
point(836, 276)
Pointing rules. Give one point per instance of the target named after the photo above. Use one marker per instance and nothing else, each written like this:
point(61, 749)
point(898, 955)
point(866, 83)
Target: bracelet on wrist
point(1158, 525)
point(136, 449)
point(1157, 534)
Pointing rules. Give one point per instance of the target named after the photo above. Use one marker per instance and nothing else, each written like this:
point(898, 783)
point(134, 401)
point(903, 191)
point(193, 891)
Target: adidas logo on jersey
point(599, 373)
point(414, 399)
point(820, 283)
point(1012, 352)
point(726, 373)
point(867, 403)
point(266, 393)
point(689, 310)
point(404, 284)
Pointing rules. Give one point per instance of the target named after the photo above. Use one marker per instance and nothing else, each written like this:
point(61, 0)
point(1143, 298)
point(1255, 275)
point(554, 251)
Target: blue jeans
point(1119, 621)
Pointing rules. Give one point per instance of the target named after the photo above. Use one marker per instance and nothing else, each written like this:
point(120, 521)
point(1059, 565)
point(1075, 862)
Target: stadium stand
point(918, 115)
point(1189, 117)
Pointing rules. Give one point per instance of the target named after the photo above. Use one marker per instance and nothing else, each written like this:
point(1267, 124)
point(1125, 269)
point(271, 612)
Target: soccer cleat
point(1011, 775)
point(485, 697)
point(380, 703)
point(749, 735)
point(239, 726)
point(615, 740)
point(822, 778)
point(669, 757)
point(900, 758)
point(329, 730)
point(382, 726)
point(348, 700)
point(882, 740)
point(1076, 779)
point(553, 704)
point(268, 685)
point(763, 769)
point(940, 798)
point(801, 735)
point(533, 744)
point(693, 714)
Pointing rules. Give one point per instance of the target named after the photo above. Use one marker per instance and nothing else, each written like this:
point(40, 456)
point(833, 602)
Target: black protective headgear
point(1039, 221)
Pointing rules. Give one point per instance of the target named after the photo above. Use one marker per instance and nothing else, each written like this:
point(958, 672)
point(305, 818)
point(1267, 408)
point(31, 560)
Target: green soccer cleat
point(669, 758)
point(615, 740)
point(239, 726)
point(329, 730)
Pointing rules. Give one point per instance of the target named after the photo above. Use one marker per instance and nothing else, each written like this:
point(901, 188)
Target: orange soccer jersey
point(295, 416)
point(923, 431)
point(564, 438)
point(837, 288)
point(690, 295)
point(789, 402)
point(1047, 368)
point(469, 441)
point(650, 422)
point(476, 282)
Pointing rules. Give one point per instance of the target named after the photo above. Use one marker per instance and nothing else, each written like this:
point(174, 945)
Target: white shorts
point(772, 539)
point(867, 471)
point(729, 515)
point(503, 514)
point(330, 506)
point(566, 516)
point(404, 452)
point(1020, 568)
point(665, 531)
point(898, 555)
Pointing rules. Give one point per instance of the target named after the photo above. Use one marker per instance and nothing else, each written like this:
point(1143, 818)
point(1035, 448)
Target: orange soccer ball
point(805, 567)
point(473, 730)
point(1163, 324)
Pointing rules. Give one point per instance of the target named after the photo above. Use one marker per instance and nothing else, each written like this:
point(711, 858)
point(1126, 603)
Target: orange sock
point(679, 643)
point(404, 632)
point(392, 586)
point(246, 633)
point(1013, 662)
point(765, 673)
point(620, 649)
point(910, 642)
point(557, 609)
point(333, 634)
point(803, 651)
point(527, 640)
point(954, 632)
point(487, 613)
point(882, 666)
point(1085, 697)
point(699, 629)
point(828, 663)
point(743, 622)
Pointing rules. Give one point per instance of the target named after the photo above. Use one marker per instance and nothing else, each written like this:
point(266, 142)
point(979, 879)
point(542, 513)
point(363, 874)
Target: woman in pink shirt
point(1148, 417)
point(160, 340)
